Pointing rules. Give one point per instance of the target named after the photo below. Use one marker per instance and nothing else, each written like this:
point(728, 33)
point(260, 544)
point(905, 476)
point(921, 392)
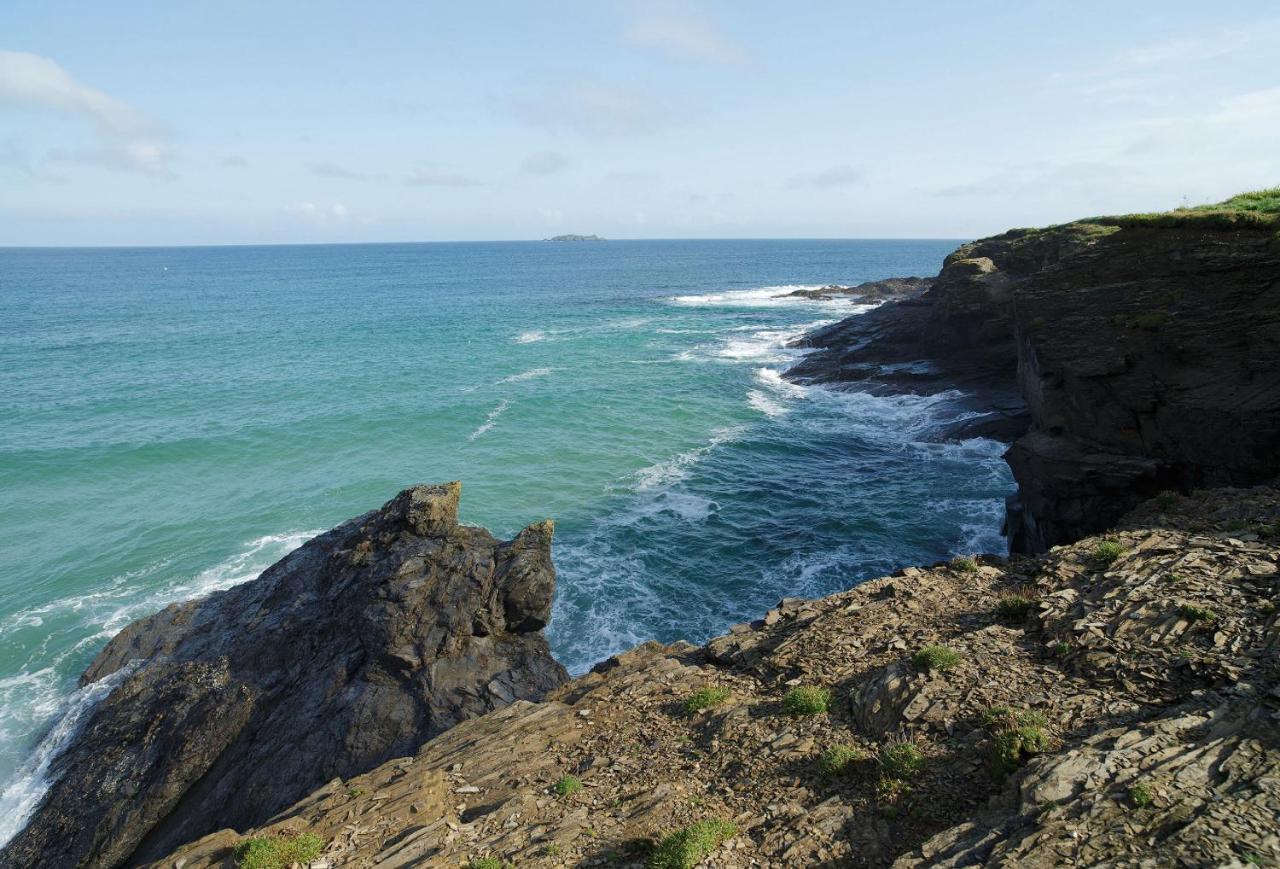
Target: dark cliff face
point(1148, 358)
point(354, 649)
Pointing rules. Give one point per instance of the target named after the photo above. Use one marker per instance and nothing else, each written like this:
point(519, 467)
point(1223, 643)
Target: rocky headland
point(1123, 356)
point(355, 648)
point(383, 696)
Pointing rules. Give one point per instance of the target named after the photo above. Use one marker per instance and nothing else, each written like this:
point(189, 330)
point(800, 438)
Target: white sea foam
point(532, 336)
point(772, 378)
point(31, 781)
point(490, 419)
point(763, 297)
point(525, 375)
point(677, 468)
point(766, 405)
point(31, 700)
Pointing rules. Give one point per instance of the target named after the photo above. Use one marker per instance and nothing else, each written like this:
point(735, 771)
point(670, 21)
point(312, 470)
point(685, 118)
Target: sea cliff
point(1108, 694)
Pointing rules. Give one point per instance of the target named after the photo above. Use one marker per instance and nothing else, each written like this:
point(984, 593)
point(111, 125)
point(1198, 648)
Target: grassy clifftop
point(1258, 209)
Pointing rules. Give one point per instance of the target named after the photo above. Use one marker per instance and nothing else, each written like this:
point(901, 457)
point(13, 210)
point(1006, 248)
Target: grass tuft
point(278, 852)
point(567, 786)
point(1193, 613)
point(839, 759)
point(1140, 795)
point(1016, 735)
point(900, 760)
point(1014, 605)
point(938, 658)
point(705, 699)
point(1107, 551)
point(689, 847)
point(964, 564)
point(806, 700)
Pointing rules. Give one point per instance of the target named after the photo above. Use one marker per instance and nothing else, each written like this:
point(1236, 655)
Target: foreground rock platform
point(1113, 702)
point(355, 648)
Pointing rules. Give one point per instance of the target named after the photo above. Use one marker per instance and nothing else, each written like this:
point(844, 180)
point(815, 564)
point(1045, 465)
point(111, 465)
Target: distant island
point(574, 238)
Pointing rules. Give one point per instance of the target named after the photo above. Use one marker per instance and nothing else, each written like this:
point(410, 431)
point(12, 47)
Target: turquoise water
point(174, 420)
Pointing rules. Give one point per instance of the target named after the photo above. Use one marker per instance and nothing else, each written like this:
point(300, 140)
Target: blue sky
point(241, 122)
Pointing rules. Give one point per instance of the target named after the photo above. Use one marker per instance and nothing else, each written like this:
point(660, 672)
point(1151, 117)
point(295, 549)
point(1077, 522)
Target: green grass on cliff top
point(1258, 209)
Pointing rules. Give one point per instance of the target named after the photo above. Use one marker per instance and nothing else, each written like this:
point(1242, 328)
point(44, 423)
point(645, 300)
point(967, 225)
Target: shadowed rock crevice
point(353, 649)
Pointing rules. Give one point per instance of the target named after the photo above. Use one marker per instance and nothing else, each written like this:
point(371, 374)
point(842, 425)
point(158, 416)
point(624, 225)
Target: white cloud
point(835, 176)
point(684, 32)
point(128, 139)
point(545, 163)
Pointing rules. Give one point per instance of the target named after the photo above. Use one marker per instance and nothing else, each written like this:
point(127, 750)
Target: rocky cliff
point(1116, 702)
point(1146, 350)
point(355, 648)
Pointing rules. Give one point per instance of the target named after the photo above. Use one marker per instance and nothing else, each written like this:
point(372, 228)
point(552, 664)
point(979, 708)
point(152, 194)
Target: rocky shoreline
point(355, 648)
point(1116, 702)
point(1121, 358)
point(383, 696)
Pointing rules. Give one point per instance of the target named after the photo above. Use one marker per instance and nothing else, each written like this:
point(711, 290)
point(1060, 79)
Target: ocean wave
point(677, 468)
point(525, 375)
point(765, 297)
point(490, 419)
point(30, 701)
point(31, 781)
point(766, 405)
point(532, 336)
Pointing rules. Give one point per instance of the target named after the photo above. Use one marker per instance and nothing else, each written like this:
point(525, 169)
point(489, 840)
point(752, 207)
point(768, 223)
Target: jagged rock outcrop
point(1147, 354)
point(1114, 704)
point(868, 291)
point(353, 649)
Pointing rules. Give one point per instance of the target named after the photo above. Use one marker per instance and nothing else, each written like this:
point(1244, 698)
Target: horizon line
point(187, 246)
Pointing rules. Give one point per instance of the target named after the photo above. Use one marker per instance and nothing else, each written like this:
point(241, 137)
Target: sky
point(292, 121)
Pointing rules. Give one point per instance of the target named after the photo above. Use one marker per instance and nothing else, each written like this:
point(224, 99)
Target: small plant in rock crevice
point(567, 786)
point(1107, 551)
point(687, 848)
point(1016, 736)
point(806, 700)
point(1193, 613)
point(705, 699)
point(935, 658)
point(1014, 605)
point(964, 564)
point(278, 852)
point(838, 760)
point(1140, 795)
point(900, 760)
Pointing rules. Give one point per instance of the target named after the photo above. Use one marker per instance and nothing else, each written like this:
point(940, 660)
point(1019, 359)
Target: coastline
point(979, 326)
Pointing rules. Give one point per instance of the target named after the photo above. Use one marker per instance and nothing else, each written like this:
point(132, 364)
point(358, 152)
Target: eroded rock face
point(355, 648)
point(1142, 358)
point(1150, 361)
point(1159, 725)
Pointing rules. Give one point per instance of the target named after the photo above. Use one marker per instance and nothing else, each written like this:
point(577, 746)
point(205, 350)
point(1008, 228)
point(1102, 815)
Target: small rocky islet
point(1107, 694)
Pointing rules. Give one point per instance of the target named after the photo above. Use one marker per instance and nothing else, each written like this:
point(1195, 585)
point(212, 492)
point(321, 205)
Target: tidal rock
point(353, 649)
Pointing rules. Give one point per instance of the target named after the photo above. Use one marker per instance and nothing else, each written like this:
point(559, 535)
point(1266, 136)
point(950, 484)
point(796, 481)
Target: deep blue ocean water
point(174, 420)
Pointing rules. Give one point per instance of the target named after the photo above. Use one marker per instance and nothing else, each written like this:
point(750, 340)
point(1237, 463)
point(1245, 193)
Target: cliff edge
point(1144, 351)
point(1116, 702)
point(355, 648)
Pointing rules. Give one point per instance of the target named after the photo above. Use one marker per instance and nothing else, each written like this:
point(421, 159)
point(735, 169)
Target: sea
point(174, 420)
